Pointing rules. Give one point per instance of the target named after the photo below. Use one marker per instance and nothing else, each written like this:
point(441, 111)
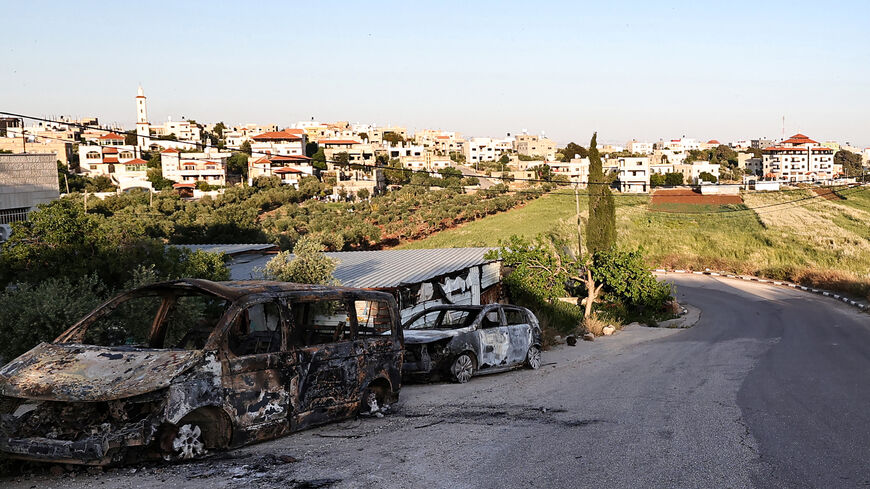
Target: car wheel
point(462, 368)
point(533, 358)
point(187, 443)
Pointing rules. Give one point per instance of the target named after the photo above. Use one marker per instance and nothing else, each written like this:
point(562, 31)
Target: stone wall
point(27, 180)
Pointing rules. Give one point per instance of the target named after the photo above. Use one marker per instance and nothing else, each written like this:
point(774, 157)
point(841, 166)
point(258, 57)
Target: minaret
point(143, 129)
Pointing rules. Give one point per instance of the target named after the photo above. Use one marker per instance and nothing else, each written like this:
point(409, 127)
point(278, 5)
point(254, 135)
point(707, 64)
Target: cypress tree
point(601, 230)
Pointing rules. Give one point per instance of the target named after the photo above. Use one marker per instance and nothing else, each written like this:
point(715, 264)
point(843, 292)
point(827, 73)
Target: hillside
point(815, 241)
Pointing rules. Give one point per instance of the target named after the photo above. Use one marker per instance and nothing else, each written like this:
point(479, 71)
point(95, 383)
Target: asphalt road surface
point(768, 389)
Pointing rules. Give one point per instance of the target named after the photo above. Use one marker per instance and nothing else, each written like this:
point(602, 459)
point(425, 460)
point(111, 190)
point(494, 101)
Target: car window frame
point(224, 328)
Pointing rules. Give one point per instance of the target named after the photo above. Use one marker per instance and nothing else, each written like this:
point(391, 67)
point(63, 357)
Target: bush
point(626, 277)
point(30, 314)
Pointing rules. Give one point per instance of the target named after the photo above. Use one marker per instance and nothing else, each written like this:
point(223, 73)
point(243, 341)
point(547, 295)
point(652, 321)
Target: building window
point(92, 155)
point(126, 155)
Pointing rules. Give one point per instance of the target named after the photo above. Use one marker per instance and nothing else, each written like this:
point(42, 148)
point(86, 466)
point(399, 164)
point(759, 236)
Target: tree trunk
point(590, 293)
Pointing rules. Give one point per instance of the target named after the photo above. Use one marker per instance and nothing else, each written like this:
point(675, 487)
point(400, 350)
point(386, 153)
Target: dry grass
point(595, 325)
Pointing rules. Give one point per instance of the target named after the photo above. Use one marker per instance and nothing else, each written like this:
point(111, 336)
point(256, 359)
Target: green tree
point(155, 176)
point(307, 265)
point(245, 147)
point(656, 180)
point(457, 157)
point(542, 172)
point(219, 129)
point(363, 193)
point(852, 165)
point(341, 158)
point(237, 164)
point(571, 151)
point(130, 138)
point(707, 177)
point(673, 179)
point(318, 159)
point(601, 230)
point(393, 138)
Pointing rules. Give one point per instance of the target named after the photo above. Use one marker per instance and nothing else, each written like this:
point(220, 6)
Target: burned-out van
point(179, 368)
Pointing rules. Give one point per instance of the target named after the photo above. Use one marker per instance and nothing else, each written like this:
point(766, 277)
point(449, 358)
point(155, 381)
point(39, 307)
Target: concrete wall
point(27, 180)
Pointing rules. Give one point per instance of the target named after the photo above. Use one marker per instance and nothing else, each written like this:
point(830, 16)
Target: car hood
point(420, 336)
point(73, 372)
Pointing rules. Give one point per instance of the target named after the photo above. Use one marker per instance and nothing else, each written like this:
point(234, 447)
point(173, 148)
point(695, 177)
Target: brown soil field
point(688, 196)
point(826, 193)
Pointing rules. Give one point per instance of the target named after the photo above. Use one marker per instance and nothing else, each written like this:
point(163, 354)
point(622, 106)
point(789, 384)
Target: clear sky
point(723, 70)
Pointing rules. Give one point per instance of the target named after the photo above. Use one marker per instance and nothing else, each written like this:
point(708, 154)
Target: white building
point(639, 147)
point(485, 149)
point(289, 168)
point(798, 159)
point(209, 167)
point(289, 142)
point(692, 171)
point(143, 128)
point(633, 174)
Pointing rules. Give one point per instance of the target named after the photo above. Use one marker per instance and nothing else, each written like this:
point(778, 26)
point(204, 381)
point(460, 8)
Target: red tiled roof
point(713, 141)
point(110, 159)
point(286, 169)
point(135, 161)
point(170, 150)
point(110, 151)
point(111, 136)
point(799, 139)
point(295, 131)
point(276, 136)
point(443, 137)
point(183, 185)
point(338, 141)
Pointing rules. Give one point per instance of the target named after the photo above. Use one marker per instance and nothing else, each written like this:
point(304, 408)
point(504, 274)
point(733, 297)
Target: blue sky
point(723, 70)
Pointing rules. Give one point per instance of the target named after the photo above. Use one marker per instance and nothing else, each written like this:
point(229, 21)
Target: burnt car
point(462, 341)
point(176, 369)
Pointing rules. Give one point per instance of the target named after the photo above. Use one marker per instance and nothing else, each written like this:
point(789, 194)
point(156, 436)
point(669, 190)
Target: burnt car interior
point(166, 318)
point(257, 329)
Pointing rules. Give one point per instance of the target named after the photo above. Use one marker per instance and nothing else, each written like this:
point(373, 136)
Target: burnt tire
point(533, 358)
point(463, 368)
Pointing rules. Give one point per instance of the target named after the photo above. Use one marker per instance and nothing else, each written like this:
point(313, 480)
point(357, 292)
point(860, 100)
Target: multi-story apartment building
point(532, 145)
point(798, 159)
point(357, 152)
point(639, 147)
point(692, 171)
point(485, 149)
point(633, 174)
point(238, 135)
point(62, 150)
point(291, 169)
point(114, 159)
point(289, 142)
point(26, 180)
point(427, 162)
point(576, 170)
point(189, 168)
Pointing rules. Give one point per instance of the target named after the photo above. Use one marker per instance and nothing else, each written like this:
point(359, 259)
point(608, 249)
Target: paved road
point(768, 389)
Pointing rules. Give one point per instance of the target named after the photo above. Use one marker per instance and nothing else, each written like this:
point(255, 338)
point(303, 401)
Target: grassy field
point(825, 243)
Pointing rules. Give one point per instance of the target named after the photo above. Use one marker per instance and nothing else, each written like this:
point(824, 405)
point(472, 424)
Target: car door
point(256, 379)
point(378, 337)
point(492, 338)
point(327, 361)
point(519, 331)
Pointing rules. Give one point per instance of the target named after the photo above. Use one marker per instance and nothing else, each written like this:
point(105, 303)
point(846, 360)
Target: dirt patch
point(689, 196)
point(827, 194)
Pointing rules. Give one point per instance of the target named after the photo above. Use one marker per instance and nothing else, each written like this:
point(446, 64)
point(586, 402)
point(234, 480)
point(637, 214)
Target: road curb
point(779, 283)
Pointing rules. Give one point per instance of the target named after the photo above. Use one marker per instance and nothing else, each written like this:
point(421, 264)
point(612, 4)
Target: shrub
point(626, 276)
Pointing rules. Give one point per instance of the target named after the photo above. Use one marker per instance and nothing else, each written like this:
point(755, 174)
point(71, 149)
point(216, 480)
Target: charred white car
point(463, 341)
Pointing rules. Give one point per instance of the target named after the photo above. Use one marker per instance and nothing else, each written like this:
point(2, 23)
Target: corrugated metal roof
point(230, 249)
point(383, 268)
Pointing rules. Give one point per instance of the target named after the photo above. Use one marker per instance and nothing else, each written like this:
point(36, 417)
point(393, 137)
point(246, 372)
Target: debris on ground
point(588, 337)
point(571, 340)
